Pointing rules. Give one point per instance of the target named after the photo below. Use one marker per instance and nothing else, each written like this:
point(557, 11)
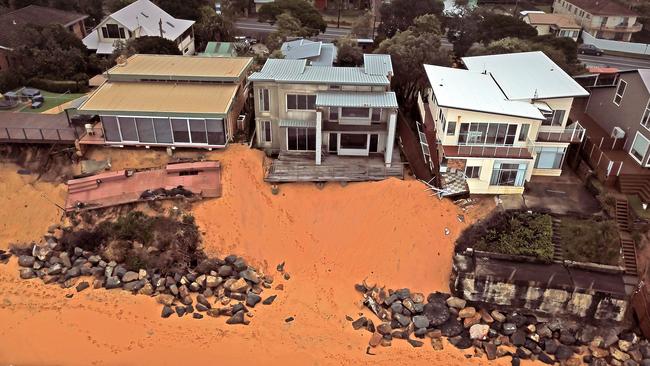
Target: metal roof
point(318, 53)
point(297, 123)
point(526, 75)
point(297, 71)
point(475, 91)
point(376, 64)
point(356, 99)
point(146, 15)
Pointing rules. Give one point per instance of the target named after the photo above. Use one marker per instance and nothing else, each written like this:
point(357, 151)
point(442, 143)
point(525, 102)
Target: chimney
point(160, 26)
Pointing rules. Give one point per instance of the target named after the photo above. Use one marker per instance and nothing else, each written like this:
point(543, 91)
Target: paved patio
point(560, 195)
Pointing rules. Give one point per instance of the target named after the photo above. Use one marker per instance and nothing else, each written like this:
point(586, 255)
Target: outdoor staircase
point(558, 249)
point(635, 184)
point(627, 244)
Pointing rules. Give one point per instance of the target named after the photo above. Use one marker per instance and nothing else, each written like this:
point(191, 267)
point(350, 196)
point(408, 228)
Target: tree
point(287, 26)
point(497, 26)
point(398, 15)
point(463, 29)
point(302, 10)
point(211, 27)
point(185, 9)
point(363, 26)
point(349, 53)
point(409, 55)
point(277, 54)
point(153, 45)
point(114, 5)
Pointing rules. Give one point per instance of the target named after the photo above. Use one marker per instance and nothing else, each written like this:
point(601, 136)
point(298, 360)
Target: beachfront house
point(500, 121)
point(326, 122)
point(164, 100)
point(138, 19)
point(559, 25)
point(606, 19)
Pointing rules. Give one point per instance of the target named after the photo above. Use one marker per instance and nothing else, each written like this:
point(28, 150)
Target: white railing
point(573, 133)
point(494, 151)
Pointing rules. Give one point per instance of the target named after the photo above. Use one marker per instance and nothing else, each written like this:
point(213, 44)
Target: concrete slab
point(561, 195)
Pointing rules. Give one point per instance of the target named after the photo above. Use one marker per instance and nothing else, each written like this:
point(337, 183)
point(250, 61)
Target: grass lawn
point(635, 204)
point(589, 240)
point(52, 100)
point(514, 233)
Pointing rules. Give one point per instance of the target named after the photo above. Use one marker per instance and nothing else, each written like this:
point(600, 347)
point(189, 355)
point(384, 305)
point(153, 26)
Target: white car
point(217, 8)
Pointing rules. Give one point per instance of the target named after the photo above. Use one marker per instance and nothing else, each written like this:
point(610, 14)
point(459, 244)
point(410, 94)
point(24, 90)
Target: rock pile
point(208, 288)
point(494, 334)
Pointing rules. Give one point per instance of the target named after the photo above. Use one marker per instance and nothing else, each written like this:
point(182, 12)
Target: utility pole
point(338, 21)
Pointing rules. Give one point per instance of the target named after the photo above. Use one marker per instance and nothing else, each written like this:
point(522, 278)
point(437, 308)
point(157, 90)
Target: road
point(620, 62)
point(252, 27)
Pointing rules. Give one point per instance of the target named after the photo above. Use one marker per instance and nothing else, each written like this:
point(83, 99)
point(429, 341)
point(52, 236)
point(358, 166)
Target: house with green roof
point(327, 123)
point(219, 49)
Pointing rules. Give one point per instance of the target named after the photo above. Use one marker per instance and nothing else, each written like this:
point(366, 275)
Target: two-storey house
point(138, 19)
point(559, 25)
point(325, 122)
point(606, 19)
point(502, 120)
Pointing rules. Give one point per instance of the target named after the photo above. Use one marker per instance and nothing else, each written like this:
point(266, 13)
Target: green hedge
point(59, 86)
point(590, 240)
point(512, 232)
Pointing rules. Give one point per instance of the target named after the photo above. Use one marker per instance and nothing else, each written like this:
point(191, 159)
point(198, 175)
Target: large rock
point(518, 338)
point(252, 299)
point(237, 318)
point(420, 321)
point(134, 286)
point(212, 281)
point(167, 311)
point(563, 353)
point(490, 350)
point(112, 282)
point(240, 265)
point(384, 328)
point(498, 316)
point(403, 320)
point(250, 275)
point(165, 299)
point(457, 303)
point(467, 312)
point(269, 300)
point(508, 328)
point(27, 273)
point(65, 259)
point(82, 286)
point(451, 328)
point(479, 331)
point(618, 354)
point(203, 301)
point(436, 312)
point(238, 285)
point(460, 342)
point(26, 261)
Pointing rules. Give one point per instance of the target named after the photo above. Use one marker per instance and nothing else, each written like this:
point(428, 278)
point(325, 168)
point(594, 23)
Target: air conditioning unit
point(618, 133)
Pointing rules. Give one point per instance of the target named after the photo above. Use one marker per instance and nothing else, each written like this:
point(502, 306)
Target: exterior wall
point(79, 29)
point(481, 185)
point(606, 27)
point(626, 116)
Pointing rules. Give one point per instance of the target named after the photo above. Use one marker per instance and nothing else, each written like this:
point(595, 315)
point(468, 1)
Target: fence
point(34, 134)
point(493, 151)
point(604, 167)
point(570, 134)
point(616, 46)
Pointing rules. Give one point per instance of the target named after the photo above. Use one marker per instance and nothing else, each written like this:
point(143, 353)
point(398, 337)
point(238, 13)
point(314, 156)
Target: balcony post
point(319, 135)
point(390, 138)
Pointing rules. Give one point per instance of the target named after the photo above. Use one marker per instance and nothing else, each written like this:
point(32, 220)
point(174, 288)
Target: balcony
point(573, 134)
point(636, 27)
point(482, 151)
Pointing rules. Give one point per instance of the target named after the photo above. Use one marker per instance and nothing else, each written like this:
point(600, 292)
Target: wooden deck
point(35, 128)
point(127, 186)
point(301, 167)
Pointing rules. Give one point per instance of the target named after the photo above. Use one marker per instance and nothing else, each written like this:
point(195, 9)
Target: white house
point(502, 120)
point(141, 18)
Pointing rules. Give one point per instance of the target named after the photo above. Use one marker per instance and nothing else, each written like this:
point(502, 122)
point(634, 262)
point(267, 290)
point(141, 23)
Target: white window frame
point(350, 151)
point(616, 95)
point(473, 167)
point(262, 105)
point(263, 135)
point(286, 102)
point(631, 146)
point(286, 136)
point(646, 116)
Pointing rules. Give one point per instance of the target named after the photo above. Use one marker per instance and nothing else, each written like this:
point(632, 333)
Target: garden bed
point(512, 232)
point(590, 240)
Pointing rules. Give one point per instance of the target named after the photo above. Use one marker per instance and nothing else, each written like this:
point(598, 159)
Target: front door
point(354, 144)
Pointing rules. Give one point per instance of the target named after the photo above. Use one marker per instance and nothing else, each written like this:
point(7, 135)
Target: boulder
point(415, 343)
point(485, 316)
point(518, 338)
point(212, 281)
point(598, 352)
point(252, 299)
point(551, 346)
point(403, 320)
point(180, 311)
point(468, 322)
point(490, 350)
point(240, 265)
point(403, 293)
point(201, 307)
point(498, 316)
point(134, 286)
point(420, 321)
point(203, 301)
point(508, 328)
point(250, 275)
point(436, 312)
point(237, 318)
point(147, 289)
point(362, 322)
point(238, 285)
point(269, 300)
point(384, 328)
point(27, 273)
point(65, 259)
point(436, 343)
point(618, 354)
point(457, 303)
point(451, 328)
point(563, 353)
point(460, 342)
point(166, 311)
point(112, 282)
point(26, 261)
point(165, 299)
point(479, 331)
point(82, 286)
point(197, 316)
point(375, 340)
point(55, 269)
point(467, 312)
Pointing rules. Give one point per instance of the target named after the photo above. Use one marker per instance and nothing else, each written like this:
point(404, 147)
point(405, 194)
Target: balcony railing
point(574, 134)
point(483, 151)
point(620, 28)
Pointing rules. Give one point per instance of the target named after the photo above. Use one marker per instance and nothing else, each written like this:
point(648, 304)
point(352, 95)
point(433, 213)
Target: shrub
point(590, 240)
point(60, 86)
point(513, 233)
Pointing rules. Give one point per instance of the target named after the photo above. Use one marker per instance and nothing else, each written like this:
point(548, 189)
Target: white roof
point(91, 41)
point(319, 53)
point(527, 75)
point(145, 14)
point(475, 91)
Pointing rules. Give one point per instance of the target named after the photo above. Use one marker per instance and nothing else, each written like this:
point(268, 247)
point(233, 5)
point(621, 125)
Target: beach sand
point(390, 232)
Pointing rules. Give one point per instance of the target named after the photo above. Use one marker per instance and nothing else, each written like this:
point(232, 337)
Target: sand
point(390, 232)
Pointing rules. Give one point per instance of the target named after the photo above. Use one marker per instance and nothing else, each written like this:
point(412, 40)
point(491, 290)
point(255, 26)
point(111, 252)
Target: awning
point(356, 99)
point(297, 123)
point(543, 107)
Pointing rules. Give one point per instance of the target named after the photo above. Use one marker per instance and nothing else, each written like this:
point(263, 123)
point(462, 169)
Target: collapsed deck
point(202, 179)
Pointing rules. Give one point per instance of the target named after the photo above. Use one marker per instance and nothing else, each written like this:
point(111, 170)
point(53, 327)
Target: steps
point(558, 249)
point(635, 184)
point(627, 244)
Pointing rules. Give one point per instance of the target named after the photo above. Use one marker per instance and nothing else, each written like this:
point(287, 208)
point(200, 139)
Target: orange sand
point(391, 232)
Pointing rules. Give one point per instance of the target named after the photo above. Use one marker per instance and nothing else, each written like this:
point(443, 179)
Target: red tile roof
point(603, 7)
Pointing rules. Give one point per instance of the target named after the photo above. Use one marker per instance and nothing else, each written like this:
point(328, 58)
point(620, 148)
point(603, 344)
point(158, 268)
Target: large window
point(301, 102)
point(129, 131)
point(180, 130)
point(162, 130)
point(113, 31)
point(639, 147)
point(334, 114)
point(508, 174)
point(145, 129)
point(620, 91)
point(216, 131)
point(523, 132)
point(301, 139)
point(487, 134)
point(554, 118)
point(549, 157)
point(645, 120)
point(266, 131)
point(111, 129)
point(355, 112)
point(265, 100)
point(451, 128)
point(354, 141)
point(473, 171)
point(198, 132)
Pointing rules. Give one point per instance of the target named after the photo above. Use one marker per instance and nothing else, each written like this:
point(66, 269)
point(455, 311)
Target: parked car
point(37, 104)
point(30, 92)
point(589, 49)
point(246, 39)
point(217, 8)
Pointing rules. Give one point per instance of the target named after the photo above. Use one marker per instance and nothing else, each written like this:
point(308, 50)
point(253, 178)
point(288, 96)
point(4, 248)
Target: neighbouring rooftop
point(12, 22)
point(475, 91)
point(219, 49)
point(560, 20)
point(526, 75)
point(164, 98)
point(318, 53)
point(174, 67)
point(298, 72)
point(603, 7)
